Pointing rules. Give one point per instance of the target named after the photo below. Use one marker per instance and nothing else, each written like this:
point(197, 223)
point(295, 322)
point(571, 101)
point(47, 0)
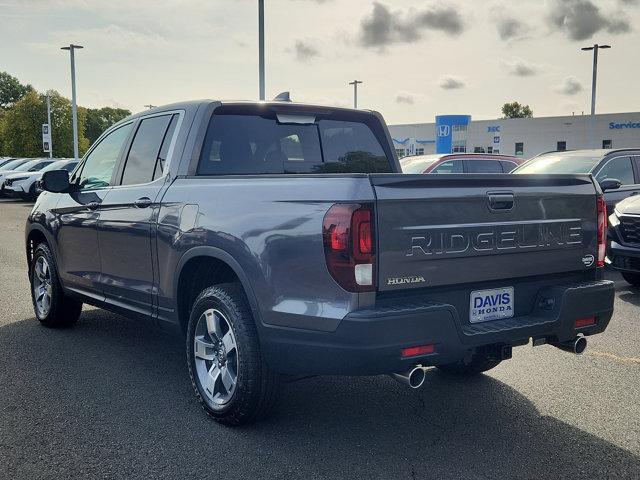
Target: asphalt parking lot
point(111, 398)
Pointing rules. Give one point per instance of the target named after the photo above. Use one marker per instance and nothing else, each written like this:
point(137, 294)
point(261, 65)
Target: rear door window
point(619, 168)
point(483, 166)
point(251, 143)
point(507, 166)
point(144, 157)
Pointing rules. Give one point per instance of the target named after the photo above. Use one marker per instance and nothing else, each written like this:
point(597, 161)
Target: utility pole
point(74, 106)
point(261, 47)
point(49, 122)
point(355, 92)
point(595, 49)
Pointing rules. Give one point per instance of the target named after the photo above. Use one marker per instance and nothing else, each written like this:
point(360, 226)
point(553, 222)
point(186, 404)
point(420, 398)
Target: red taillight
point(602, 230)
point(419, 350)
point(347, 232)
point(585, 322)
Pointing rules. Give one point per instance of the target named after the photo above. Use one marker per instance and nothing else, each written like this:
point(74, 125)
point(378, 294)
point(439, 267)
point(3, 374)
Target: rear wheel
point(477, 365)
point(231, 380)
point(632, 278)
point(52, 307)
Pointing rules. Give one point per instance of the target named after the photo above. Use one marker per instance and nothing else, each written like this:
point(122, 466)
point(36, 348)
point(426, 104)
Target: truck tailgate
point(436, 230)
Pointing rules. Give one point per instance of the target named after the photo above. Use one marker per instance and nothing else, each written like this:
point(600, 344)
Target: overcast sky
point(417, 58)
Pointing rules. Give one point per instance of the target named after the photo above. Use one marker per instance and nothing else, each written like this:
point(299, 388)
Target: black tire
point(477, 365)
point(632, 278)
point(256, 389)
point(31, 195)
point(63, 311)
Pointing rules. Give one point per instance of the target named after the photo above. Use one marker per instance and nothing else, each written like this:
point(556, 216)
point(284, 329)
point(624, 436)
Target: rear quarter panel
point(272, 227)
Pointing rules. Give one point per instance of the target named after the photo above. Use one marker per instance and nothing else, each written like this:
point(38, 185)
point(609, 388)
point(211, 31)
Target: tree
point(99, 119)
point(515, 110)
point(21, 127)
point(11, 90)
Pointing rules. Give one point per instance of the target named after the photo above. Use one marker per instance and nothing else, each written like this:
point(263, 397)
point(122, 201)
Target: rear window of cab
point(244, 141)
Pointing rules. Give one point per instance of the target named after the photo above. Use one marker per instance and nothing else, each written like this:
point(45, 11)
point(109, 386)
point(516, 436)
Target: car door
point(76, 214)
point(620, 168)
point(127, 216)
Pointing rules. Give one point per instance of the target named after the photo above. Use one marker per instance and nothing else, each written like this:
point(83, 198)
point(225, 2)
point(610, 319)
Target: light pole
point(595, 49)
point(49, 122)
point(261, 47)
point(355, 92)
point(74, 107)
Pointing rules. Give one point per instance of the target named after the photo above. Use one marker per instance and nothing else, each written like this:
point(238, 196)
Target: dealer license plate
point(493, 304)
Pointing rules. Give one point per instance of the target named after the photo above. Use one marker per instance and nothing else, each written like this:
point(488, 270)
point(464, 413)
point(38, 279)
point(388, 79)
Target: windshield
point(418, 164)
point(560, 163)
point(55, 166)
point(26, 166)
point(15, 163)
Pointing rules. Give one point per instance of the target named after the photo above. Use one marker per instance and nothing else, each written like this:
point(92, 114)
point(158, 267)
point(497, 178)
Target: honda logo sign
point(444, 130)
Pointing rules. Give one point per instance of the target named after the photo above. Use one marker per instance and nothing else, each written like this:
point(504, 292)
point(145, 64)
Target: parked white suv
point(22, 184)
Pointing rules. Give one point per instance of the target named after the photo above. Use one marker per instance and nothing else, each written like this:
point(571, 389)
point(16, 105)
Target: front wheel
point(231, 380)
point(632, 278)
point(51, 305)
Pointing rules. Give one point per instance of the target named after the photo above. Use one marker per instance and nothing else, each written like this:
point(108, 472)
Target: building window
point(459, 146)
point(561, 146)
point(478, 149)
point(489, 149)
point(459, 128)
point(400, 152)
point(607, 144)
point(419, 151)
point(519, 150)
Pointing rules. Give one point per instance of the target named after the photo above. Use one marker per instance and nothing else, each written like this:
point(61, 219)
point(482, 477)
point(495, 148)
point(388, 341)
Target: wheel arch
point(36, 234)
point(226, 268)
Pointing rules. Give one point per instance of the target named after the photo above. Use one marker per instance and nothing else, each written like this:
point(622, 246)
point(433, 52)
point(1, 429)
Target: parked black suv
point(618, 171)
point(623, 253)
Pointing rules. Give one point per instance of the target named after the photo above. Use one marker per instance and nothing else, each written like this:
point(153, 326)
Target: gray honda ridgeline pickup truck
point(283, 241)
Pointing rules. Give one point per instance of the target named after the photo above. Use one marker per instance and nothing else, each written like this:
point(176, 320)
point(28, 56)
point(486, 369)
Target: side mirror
point(610, 184)
point(56, 181)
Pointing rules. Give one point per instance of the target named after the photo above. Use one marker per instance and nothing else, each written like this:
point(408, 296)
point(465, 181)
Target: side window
point(508, 166)
point(619, 168)
point(483, 166)
point(99, 164)
point(450, 166)
point(69, 166)
point(144, 154)
point(39, 166)
point(164, 150)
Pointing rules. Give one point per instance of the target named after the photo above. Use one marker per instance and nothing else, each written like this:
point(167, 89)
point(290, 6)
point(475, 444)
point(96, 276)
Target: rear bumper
point(368, 342)
point(623, 258)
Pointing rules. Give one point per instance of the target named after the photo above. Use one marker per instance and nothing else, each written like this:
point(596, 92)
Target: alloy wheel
point(216, 356)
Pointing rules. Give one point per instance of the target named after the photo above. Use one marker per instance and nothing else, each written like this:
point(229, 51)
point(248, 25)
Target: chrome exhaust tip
point(577, 345)
point(414, 378)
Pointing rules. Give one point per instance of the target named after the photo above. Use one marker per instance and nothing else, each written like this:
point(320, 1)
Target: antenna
point(282, 97)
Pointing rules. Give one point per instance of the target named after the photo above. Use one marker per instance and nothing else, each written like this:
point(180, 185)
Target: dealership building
point(524, 137)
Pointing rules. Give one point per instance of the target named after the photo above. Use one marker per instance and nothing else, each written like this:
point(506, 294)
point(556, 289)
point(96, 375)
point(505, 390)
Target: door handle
point(92, 205)
point(500, 201)
point(143, 202)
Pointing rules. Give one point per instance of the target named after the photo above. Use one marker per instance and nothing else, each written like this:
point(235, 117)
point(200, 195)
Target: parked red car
point(459, 163)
